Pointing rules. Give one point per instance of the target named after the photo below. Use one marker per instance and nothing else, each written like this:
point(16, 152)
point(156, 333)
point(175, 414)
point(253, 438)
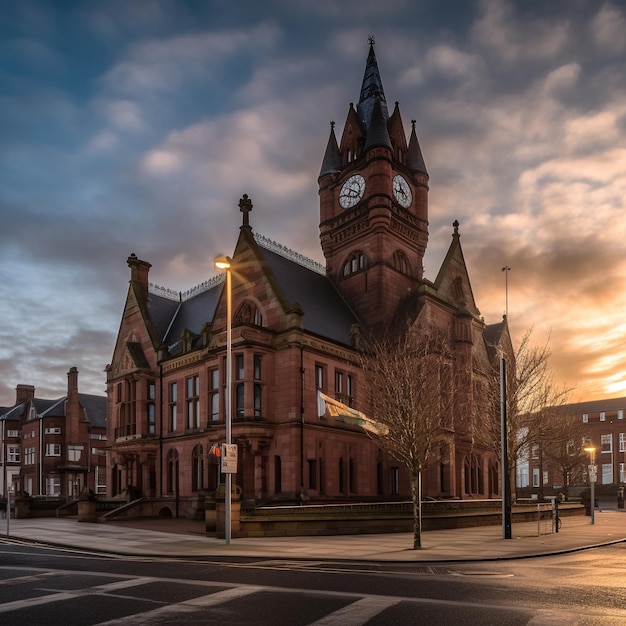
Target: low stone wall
point(351, 519)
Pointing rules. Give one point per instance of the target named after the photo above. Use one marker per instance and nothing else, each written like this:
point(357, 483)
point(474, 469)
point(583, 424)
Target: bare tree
point(566, 449)
point(410, 378)
point(533, 402)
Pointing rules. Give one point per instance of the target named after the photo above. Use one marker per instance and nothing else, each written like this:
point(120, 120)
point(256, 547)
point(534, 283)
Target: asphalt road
point(40, 585)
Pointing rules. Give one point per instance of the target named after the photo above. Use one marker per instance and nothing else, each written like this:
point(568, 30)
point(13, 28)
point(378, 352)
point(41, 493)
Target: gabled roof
point(452, 283)
point(95, 408)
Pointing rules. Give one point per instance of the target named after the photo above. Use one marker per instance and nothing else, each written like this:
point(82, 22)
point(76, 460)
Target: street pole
point(593, 474)
point(504, 461)
point(225, 264)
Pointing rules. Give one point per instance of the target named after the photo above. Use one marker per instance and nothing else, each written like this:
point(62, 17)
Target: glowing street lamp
point(224, 263)
point(593, 475)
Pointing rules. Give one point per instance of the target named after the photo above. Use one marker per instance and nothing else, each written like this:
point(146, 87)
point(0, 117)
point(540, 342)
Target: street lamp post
point(593, 473)
point(224, 263)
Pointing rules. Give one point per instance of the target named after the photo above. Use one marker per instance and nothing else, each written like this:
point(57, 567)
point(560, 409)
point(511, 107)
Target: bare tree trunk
point(416, 492)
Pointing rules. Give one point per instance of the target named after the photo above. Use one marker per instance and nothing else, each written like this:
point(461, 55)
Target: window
point(74, 453)
point(354, 264)
point(13, 433)
point(13, 454)
point(193, 402)
point(151, 408)
point(53, 449)
point(214, 394)
point(29, 456)
point(312, 473)
point(400, 262)
point(622, 473)
point(343, 387)
point(101, 486)
point(258, 404)
point(395, 481)
point(585, 417)
point(622, 442)
point(606, 443)
point(239, 367)
point(607, 473)
point(258, 388)
point(53, 485)
point(534, 451)
point(240, 400)
point(535, 477)
point(319, 377)
point(52, 431)
point(127, 419)
point(173, 409)
point(197, 469)
point(602, 416)
point(620, 414)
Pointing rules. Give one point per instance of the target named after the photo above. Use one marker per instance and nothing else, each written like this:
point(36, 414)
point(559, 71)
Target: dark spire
point(371, 90)
point(414, 158)
point(377, 133)
point(332, 158)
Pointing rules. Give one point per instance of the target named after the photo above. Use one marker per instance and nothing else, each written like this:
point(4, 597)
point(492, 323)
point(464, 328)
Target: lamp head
point(222, 262)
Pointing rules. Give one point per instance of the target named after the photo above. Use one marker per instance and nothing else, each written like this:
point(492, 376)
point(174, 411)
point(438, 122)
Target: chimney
point(73, 413)
point(24, 393)
point(139, 271)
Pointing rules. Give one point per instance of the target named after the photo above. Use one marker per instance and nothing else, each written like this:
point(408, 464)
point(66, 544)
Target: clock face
point(402, 191)
point(352, 191)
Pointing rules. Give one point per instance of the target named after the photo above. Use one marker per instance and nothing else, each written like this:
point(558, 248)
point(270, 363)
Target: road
point(41, 585)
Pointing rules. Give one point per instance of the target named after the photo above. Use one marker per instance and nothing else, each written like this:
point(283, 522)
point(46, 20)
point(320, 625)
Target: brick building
point(602, 425)
point(53, 447)
point(296, 328)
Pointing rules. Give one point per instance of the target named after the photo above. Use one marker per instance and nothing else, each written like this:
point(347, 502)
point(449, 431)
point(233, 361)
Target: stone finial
point(456, 226)
point(245, 206)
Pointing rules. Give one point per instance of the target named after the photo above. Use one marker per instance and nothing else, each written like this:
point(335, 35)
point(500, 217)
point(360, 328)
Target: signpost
point(229, 458)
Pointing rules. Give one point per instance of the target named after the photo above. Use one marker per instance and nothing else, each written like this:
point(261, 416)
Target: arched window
point(249, 313)
point(400, 262)
point(171, 482)
point(197, 469)
point(355, 263)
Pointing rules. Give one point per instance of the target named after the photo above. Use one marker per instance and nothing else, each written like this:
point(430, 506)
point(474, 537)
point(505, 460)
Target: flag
point(327, 405)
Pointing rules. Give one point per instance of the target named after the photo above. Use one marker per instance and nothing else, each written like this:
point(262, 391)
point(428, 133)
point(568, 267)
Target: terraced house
point(296, 330)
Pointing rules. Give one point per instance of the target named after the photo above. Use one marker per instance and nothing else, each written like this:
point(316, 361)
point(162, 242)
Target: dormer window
point(249, 313)
point(355, 263)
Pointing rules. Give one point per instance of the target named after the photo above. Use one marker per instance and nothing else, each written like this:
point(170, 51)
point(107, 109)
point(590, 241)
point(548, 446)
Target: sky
point(135, 127)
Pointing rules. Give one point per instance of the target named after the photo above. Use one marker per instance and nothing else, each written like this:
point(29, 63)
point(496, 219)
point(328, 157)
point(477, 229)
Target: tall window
point(585, 417)
point(602, 416)
point(240, 396)
point(319, 377)
point(53, 485)
point(214, 394)
point(395, 481)
point(173, 408)
point(197, 469)
point(193, 402)
point(13, 454)
point(343, 387)
point(172, 472)
point(127, 419)
point(239, 367)
point(29, 456)
point(622, 442)
point(151, 407)
point(258, 389)
point(606, 442)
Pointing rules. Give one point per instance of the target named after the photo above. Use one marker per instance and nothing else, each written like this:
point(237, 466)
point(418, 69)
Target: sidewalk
point(185, 538)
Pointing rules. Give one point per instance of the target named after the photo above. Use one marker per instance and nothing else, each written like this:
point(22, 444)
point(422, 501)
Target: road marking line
point(187, 606)
point(358, 612)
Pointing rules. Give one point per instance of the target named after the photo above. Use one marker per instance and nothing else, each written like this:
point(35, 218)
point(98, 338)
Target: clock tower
point(373, 189)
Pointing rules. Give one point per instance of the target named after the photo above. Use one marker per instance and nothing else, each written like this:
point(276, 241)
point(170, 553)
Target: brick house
point(296, 328)
point(54, 447)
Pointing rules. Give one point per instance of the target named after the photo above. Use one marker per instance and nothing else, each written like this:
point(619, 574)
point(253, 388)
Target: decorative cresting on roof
point(287, 253)
point(371, 90)
point(182, 296)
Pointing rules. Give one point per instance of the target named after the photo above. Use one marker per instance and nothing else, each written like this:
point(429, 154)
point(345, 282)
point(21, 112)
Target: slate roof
point(95, 408)
point(325, 311)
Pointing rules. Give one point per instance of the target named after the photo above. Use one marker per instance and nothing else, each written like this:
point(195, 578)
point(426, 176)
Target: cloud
point(608, 28)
